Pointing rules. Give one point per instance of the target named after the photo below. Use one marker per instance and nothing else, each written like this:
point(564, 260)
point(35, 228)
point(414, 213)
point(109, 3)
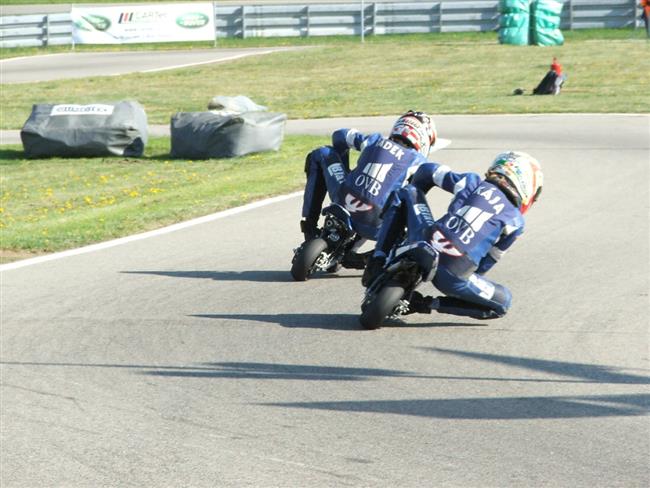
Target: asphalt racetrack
point(192, 359)
point(80, 65)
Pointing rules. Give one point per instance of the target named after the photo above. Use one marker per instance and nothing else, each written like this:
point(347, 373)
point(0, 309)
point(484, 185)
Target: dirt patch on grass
point(9, 256)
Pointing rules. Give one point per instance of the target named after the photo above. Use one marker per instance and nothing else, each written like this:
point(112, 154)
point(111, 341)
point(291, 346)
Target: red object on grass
point(556, 66)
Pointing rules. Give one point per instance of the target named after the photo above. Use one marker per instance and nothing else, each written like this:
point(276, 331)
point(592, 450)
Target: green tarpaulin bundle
point(524, 22)
point(545, 23)
point(514, 22)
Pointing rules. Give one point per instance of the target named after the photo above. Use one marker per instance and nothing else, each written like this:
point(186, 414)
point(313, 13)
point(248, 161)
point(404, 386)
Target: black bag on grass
point(552, 82)
point(547, 85)
point(98, 129)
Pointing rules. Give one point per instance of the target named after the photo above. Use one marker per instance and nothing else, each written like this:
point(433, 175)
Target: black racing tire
point(376, 311)
point(303, 262)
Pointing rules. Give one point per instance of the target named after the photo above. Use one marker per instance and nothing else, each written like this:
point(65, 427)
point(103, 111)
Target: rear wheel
point(375, 312)
point(303, 262)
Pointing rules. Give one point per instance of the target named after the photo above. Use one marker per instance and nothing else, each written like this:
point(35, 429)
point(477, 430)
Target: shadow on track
point(590, 373)
point(513, 408)
point(326, 321)
point(508, 408)
point(475, 408)
point(295, 320)
point(283, 372)
point(264, 276)
point(258, 276)
point(241, 370)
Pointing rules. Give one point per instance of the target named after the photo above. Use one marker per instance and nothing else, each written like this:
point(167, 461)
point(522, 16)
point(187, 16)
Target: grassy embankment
point(53, 204)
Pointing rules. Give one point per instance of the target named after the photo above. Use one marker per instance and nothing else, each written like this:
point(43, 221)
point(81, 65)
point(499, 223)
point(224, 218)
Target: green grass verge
point(384, 75)
point(235, 42)
point(54, 204)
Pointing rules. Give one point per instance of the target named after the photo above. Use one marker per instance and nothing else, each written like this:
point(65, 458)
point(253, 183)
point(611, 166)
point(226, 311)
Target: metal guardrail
point(35, 30)
point(354, 18)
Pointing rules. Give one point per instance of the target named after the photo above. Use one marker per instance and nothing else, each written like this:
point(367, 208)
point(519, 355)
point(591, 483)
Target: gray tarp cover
point(204, 135)
point(98, 129)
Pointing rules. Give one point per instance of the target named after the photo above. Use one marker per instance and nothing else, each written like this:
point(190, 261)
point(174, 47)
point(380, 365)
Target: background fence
point(35, 30)
point(353, 18)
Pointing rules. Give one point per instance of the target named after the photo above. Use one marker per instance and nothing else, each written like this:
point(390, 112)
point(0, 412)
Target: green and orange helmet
point(519, 175)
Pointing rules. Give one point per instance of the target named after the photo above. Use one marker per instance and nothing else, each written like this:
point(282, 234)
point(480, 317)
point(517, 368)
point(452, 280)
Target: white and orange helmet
point(416, 129)
point(519, 175)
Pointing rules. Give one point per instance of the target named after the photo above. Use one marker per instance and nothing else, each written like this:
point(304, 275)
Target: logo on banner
point(94, 109)
point(192, 20)
point(99, 22)
point(146, 17)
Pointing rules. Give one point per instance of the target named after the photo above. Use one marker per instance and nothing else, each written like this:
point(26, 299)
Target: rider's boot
point(456, 306)
point(356, 260)
point(421, 304)
point(309, 229)
point(374, 267)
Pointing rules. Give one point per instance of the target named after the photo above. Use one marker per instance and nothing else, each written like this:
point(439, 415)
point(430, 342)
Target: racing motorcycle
point(388, 296)
point(327, 252)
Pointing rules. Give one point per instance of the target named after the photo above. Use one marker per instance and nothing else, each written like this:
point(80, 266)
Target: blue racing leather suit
point(383, 166)
point(480, 225)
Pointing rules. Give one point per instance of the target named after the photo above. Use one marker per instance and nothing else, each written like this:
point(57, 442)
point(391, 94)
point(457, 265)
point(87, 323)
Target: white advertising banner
point(143, 23)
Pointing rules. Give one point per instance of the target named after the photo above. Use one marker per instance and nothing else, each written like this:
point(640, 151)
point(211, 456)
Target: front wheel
point(375, 312)
point(305, 259)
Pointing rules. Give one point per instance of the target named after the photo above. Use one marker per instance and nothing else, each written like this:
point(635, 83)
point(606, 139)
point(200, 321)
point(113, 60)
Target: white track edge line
point(144, 235)
point(199, 63)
